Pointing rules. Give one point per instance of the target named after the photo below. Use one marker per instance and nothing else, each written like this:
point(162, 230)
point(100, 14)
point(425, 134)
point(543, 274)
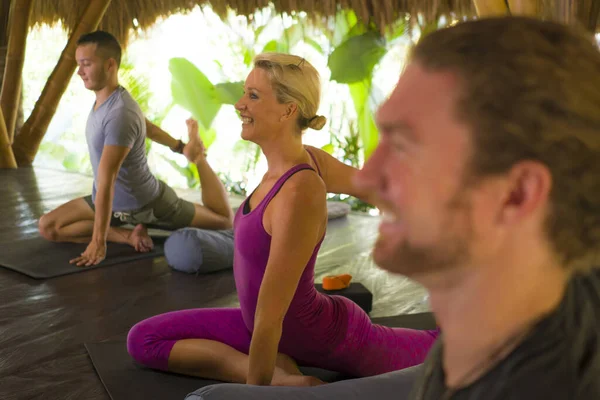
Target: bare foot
point(140, 240)
point(287, 364)
point(282, 378)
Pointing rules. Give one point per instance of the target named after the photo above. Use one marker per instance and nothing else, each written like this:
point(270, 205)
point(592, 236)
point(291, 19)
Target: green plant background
point(350, 54)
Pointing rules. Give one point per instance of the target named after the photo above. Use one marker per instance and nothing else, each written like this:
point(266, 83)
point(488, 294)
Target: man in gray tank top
point(124, 190)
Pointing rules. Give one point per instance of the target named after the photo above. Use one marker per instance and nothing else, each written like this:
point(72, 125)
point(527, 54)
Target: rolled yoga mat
point(125, 380)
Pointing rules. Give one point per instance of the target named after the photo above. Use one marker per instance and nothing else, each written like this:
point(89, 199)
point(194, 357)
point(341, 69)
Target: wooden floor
point(43, 324)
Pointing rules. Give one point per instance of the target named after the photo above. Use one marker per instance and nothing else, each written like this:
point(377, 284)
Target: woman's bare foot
point(282, 378)
point(287, 364)
point(140, 240)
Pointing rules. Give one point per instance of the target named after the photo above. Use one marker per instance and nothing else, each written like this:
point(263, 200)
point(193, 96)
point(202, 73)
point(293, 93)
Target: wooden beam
point(27, 143)
point(524, 7)
point(490, 8)
point(13, 69)
point(7, 158)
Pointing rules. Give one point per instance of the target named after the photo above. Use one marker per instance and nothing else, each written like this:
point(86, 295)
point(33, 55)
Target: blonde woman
point(282, 321)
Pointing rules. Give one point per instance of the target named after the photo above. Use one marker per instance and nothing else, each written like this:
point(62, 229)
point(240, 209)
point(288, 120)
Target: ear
point(528, 191)
point(111, 63)
point(289, 112)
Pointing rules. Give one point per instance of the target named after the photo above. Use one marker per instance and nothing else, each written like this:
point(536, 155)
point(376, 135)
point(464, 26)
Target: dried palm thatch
point(120, 16)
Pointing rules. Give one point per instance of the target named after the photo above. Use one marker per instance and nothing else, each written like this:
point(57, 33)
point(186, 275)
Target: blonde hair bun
point(317, 122)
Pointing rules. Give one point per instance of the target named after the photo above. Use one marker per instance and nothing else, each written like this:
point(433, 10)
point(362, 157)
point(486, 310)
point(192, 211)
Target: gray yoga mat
point(40, 259)
point(125, 380)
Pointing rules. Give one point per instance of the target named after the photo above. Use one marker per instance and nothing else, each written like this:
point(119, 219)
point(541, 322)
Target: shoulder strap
point(277, 186)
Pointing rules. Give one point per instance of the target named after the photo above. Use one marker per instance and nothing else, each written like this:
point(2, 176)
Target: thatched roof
point(121, 13)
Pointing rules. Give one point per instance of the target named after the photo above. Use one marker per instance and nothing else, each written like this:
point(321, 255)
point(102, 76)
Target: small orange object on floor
point(336, 282)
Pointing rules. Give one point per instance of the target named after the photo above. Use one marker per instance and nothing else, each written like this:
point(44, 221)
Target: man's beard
point(409, 260)
point(452, 250)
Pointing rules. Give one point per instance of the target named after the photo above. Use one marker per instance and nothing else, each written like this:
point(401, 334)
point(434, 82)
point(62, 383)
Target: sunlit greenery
point(172, 80)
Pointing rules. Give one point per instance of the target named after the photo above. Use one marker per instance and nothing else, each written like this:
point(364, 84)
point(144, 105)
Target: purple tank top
point(310, 313)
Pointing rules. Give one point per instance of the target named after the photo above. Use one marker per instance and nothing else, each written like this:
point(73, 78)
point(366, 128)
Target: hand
point(92, 255)
point(194, 150)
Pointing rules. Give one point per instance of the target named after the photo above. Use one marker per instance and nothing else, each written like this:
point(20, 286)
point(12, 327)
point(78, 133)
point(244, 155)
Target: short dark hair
point(530, 90)
point(106, 43)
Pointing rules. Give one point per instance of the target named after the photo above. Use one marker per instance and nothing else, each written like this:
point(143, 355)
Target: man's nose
point(372, 172)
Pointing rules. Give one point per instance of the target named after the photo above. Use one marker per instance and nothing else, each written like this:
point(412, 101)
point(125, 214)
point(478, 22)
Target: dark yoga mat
point(125, 380)
point(38, 258)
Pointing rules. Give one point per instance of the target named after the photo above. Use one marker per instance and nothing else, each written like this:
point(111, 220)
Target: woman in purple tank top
point(282, 321)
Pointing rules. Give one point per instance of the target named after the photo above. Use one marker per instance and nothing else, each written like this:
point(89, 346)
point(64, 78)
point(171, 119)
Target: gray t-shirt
point(560, 359)
point(119, 121)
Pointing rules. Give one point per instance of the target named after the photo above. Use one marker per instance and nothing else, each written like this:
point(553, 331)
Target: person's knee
point(227, 222)
point(47, 228)
point(138, 340)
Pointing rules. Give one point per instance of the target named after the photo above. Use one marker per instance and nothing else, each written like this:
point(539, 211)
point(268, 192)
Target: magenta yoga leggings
point(367, 349)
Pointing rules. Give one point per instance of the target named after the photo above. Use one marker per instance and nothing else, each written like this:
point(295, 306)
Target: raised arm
point(156, 134)
point(297, 222)
point(108, 168)
point(338, 176)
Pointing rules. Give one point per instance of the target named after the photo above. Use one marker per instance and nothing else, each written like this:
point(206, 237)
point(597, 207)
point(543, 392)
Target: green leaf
point(192, 90)
point(189, 172)
point(71, 162)
point(328, 148)
point(357, 29)
point(229, 92)
point(208, 136)
point(354, 60)
point(367, 128)
point(293, 35)
point(137, 85)
point(158, 118)
point(270, 47)
point(279, 46)
point(398, 29)
point(313, 44)
point(258, 31)
point(344, 21)
point(248, 56)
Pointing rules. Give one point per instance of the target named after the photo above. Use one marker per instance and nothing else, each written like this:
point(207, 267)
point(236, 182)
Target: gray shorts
point(167, 211)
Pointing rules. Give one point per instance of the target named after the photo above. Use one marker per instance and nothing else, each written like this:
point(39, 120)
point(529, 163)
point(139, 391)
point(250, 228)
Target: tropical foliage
point(349, 52)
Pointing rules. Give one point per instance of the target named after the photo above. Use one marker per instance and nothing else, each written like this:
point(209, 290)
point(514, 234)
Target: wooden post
point(7, 159)
point(13, 69)
point(28, 141)
point(523, 7)
point(566, 11)
point(588, 13)
point(4, 13)
point(490, 8)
